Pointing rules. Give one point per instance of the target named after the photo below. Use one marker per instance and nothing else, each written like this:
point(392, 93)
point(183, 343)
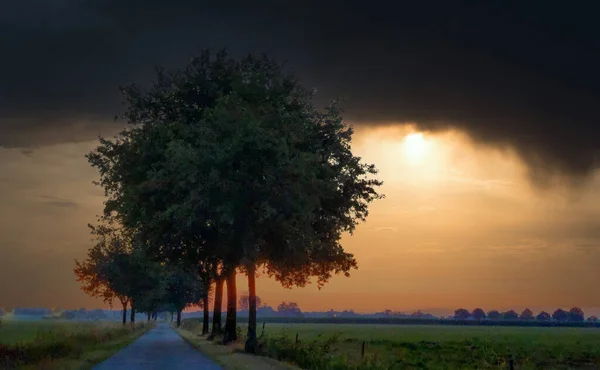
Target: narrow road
point(160, 348)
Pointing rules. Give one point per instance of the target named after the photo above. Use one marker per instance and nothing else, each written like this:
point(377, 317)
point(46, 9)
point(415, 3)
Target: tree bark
point(124, 312)
point(230, 334)
point(132, 315)
point(178, 318)
point(251, 341)
point(216, 325)
point(205, 319)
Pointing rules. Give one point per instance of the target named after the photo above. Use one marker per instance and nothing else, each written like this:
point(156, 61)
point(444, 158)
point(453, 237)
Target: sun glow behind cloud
point(460, 226)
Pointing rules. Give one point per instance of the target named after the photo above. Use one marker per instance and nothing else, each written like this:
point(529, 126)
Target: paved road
point(160, 348)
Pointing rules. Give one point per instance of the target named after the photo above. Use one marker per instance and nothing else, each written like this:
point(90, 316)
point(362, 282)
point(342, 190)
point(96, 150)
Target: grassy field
point(61, 344)
point(331, 346)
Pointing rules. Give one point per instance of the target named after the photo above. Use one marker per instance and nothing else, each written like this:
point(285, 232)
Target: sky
point(480, 116)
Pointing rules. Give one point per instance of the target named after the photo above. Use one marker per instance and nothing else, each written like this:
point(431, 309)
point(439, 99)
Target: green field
point(13, 331)
point(339, 346)
point(51, 344)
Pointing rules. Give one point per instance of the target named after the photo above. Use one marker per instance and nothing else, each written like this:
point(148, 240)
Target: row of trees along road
point(115, 270)
point(227, 166)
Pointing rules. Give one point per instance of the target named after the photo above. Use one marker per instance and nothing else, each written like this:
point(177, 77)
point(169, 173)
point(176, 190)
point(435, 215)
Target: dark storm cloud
point(522, 74)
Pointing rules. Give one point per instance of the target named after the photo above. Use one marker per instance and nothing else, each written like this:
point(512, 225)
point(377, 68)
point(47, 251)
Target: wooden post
point(296, 338)
point(263, 329)
point(511, 364)
point(362, 352)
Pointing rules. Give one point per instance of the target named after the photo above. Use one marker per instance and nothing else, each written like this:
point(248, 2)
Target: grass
point(62, 344)
point(331, 346)
point(230, 357)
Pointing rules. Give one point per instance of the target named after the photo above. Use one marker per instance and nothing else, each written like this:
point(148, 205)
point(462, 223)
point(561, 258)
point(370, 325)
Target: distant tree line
point(575, 314)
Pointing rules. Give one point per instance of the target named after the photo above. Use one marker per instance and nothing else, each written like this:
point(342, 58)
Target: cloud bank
point(518, 75)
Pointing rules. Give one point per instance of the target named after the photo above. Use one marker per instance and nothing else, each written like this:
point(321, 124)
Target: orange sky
point(460, 226)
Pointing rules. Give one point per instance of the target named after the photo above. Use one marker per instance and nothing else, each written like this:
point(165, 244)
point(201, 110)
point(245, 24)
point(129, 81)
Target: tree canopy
point(228, 164)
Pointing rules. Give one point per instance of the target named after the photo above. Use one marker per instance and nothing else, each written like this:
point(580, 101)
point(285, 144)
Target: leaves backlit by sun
point(415, 147)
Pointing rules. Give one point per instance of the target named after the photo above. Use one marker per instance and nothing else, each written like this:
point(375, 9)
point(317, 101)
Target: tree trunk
point(205, 319)
point(171, 317)
point(251, 342)
point(124, 312)
point(230, 334)
point(132, 316)
point(148, 317)
point(216, 325)
point(178, 318)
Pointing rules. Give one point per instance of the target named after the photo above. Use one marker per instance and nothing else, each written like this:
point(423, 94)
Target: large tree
point(230, 159)
point(97, 273)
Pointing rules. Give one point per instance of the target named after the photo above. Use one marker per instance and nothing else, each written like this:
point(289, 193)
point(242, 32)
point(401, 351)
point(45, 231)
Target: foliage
point(478, 314)
point(510, 315)
point(289, 309)
point(494, 315)
point(462, 314)
point(543, 316)
point(91, 272)
point(228, 163)
point(560, 315)
point(527, 314)
point(183, 287)
point(575, 314)
point(244, 304)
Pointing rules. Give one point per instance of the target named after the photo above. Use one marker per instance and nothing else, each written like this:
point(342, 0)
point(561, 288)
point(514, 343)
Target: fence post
point(263, 329)
point(296, 338)
point(362, 352)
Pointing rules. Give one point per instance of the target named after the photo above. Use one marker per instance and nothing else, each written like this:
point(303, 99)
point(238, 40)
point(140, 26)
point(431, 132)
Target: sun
point(415, 147)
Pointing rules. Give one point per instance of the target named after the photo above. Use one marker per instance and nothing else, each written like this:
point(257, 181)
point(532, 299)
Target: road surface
point(160, 348)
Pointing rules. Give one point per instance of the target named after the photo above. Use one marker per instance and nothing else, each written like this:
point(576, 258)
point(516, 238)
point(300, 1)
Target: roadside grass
point(340, 347)
point(230, 357)
point(62, 345)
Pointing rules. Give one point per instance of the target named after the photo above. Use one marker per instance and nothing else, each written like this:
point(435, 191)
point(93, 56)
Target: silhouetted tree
point(95, 272)
point(543, 316)
point(560, 315)
point(592, 319)
point(576, 314)
point(478, 314)
point(289, 309)
point(494, 315)
point(244, 303)
point(510, 315)
point(527, 314)
point(462, 314)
